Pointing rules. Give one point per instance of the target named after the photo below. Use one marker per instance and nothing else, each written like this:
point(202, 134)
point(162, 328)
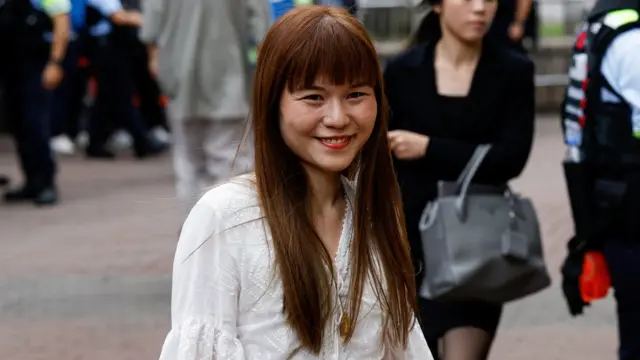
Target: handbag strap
point(469, 171)
point(467, 175)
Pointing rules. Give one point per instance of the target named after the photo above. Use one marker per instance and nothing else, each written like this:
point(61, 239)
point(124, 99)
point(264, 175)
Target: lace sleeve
point(204, 300)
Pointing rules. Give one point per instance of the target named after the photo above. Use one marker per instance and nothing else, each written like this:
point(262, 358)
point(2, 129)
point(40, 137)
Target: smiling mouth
point(336, 142)
point(335, 139)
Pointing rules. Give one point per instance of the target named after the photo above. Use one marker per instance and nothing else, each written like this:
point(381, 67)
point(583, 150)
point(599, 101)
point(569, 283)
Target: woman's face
point(468, 20)
point(328, 124)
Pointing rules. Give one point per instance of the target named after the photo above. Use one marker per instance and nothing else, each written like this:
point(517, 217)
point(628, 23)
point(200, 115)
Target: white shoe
point(159, 133)
point(82, 140)
point(120, 140)
point(62, 145)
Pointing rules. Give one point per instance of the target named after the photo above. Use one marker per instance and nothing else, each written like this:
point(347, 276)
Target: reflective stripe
point(618, 18)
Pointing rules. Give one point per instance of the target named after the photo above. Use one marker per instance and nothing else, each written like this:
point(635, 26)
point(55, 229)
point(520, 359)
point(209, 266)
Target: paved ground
point(90, 279)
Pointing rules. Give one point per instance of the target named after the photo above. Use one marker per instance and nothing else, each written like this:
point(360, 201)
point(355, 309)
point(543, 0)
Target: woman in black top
point(448, 93)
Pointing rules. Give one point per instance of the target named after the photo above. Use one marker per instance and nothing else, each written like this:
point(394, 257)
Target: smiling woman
point(290, 262)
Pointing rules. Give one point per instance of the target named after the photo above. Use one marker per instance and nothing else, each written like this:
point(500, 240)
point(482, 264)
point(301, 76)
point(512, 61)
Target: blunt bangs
point(332, 51)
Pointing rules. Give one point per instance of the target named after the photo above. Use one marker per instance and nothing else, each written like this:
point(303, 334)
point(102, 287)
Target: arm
point(113, 10)
point(510, 151)
point(620, 68)
point(523, 8)
point(61, 31)
point(126, 18)
point(58, 10)
point(206, 285)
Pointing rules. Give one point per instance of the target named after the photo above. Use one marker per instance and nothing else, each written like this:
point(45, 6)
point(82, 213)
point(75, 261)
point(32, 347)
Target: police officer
point(112, 67)
point(66, 100)
point(601, 125)
point(41, 37)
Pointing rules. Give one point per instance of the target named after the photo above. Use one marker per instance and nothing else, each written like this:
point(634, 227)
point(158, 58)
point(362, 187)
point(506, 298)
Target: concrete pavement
point(90, 279)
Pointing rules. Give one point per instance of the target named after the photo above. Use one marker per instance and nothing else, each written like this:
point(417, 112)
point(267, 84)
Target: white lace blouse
point(227, 302)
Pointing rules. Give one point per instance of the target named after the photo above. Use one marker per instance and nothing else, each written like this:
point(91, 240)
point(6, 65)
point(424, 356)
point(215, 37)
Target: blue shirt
point(106, 8)
point(78, 13)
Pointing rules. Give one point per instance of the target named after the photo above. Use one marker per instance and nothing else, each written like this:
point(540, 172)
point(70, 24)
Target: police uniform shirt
point(52, 8)
point(106, 8)
point(620, 68)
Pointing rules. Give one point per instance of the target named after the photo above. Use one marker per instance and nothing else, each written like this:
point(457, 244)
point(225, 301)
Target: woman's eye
point(313, 97)
point(355, 95)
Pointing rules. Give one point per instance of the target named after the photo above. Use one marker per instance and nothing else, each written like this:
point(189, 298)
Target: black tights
point(466, 343)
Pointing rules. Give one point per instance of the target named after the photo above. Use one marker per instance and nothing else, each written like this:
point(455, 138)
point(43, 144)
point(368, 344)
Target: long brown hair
point(303, 44)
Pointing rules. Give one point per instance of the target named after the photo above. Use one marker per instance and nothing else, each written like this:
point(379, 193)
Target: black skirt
point(437, 317)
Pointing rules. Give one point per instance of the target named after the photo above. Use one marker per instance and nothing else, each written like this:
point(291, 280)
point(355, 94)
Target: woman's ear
point(437, 9)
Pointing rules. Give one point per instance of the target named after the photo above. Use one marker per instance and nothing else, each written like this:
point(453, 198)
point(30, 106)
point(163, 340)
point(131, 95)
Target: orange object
point(164, 101)
point(595, 280)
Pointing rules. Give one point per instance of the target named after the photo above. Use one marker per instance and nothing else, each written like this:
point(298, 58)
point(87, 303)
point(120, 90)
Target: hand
point(407, 145)
point(153, 65)
point(571, 270)
point(516, 31)
point(52, 76)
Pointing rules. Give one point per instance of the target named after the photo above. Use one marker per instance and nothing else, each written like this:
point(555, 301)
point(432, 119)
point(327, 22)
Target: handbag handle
point(467, 175)
point(472, 166)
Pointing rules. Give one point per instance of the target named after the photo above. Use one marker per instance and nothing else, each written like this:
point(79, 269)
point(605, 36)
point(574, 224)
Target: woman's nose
point(478, 5)
point(335, 115)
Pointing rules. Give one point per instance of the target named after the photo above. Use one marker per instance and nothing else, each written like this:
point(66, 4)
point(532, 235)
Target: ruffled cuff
point(197, 339)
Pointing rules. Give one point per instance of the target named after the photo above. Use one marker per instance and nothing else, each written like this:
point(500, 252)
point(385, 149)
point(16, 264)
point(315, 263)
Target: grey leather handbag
point(481, 242)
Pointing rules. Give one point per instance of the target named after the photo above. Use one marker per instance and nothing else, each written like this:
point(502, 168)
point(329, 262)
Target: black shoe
point(100, 153)
point(151, 148)
point(47, 196)
point(25, 193)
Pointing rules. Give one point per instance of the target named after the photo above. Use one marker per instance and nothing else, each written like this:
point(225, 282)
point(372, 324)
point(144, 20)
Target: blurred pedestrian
point(601, 126)
point(199, 51)
point(115, 81)
point(42, 31)
point(65, 112)
point(449, 93)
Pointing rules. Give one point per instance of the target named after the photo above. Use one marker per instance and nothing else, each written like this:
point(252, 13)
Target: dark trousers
point(114, 101)
point(68, 98)
point(623, 260)
point(147, 88)
point(27, 107)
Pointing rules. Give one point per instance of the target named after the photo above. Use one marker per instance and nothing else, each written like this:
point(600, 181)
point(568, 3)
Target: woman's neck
point(325, 190)
point(458, 53)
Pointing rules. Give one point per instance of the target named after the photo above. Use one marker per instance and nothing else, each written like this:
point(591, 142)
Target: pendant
point(345, 325)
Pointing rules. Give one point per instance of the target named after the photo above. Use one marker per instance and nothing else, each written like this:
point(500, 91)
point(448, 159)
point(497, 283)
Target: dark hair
point(429, 28)
point(307, 42)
